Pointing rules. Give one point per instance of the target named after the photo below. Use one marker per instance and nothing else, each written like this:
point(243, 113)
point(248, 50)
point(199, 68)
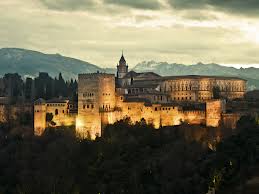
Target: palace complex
point(162, 101)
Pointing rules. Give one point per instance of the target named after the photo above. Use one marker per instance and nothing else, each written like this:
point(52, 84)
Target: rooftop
point(200, 77)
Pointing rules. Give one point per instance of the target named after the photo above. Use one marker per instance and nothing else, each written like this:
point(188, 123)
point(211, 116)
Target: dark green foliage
point(49, 117)
point(216, 92)
point(26, 119)
point(49, 88)
point(127, 159)
point(235, 156)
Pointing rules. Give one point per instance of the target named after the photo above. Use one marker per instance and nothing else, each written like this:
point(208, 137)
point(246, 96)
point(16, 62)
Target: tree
point(216, 92)
point(49, 117)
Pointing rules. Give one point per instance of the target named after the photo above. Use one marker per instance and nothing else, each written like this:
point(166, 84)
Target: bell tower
point(122, 67)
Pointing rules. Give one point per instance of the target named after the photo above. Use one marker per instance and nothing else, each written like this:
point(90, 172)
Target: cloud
point(247, 7)
point(188, 34)
point(139, 4)
point(70, 5)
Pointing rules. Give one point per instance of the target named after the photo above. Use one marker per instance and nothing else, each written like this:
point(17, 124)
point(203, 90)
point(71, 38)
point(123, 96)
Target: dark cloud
point(68, 4)
point(139, 4)
point(86, 4)
point(247, 7)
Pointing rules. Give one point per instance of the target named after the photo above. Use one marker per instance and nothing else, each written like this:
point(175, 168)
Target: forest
point(129, 159)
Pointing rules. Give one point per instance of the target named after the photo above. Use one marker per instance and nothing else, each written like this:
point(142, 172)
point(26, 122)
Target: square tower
point(96, 94)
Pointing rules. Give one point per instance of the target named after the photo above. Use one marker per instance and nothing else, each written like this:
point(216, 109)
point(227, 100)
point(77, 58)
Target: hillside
point(30, 63)
point(166, 69)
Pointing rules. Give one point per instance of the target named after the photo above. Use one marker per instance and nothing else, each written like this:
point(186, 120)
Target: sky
point(176, 31)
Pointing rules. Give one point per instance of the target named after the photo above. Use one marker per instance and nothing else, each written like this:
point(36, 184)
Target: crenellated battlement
point(195, 112)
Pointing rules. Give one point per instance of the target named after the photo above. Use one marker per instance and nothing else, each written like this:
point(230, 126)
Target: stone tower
point(96, 94)
point(122, 67)
point(39, 117)
point(214, 111)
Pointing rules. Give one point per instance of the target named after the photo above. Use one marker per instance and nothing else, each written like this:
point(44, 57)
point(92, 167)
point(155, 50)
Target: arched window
point(56, 112)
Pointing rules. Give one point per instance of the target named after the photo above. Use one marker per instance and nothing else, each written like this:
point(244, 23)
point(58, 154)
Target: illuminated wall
point(99, 105)
point(3, 113)
point(201, 88)
point(60, 112)
point(39, 118)
point(96, 94)
point(214, 111)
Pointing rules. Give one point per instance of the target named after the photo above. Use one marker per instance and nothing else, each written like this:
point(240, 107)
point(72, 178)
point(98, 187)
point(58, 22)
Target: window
point(56, 112)
point(92, 106)
point(156, 109)
point(87, 106)
point(63, 111)
point(83, 106)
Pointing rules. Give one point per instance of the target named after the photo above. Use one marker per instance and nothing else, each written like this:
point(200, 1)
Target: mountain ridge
point(251, 74)
point(30, 63)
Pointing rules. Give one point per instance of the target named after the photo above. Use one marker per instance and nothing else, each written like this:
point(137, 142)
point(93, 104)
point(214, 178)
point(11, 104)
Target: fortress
point(162, 101)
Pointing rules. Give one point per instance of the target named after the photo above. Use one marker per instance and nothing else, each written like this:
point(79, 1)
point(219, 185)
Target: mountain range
point(251, 74)
point(30, 63)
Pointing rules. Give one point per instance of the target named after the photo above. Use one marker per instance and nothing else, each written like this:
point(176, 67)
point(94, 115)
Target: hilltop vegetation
point(127, 159)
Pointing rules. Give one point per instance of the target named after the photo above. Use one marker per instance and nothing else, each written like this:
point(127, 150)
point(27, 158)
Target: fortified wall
point(99, 105)
point(59, 111)
point(103, 100)
point(11, 113)
point(96, 95)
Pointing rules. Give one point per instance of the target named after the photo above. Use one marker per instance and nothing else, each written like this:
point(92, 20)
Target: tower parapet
point(39, 116)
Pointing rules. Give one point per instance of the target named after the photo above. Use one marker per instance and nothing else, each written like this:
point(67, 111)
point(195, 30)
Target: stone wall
point(59, 111)
point(99, 105)
point(194, 117)
point(3, 113)
point(40, 119)
point(214, 111)
point(230, 120)
point(96, 94)
point(11, 113)
point(201, 88)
